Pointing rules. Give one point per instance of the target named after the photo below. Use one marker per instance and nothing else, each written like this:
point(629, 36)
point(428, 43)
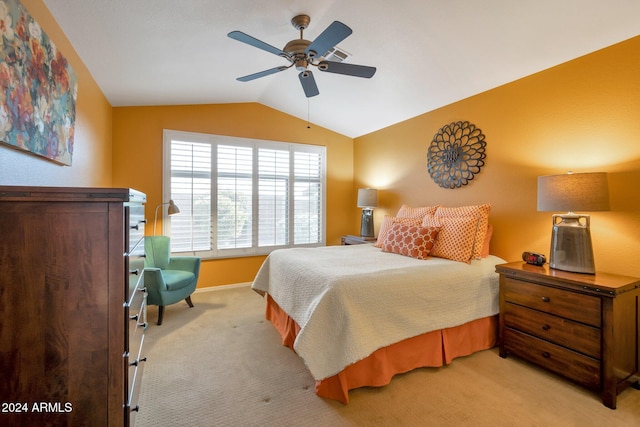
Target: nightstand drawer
point(577, 367)
point(571, 305)
point(581, 338)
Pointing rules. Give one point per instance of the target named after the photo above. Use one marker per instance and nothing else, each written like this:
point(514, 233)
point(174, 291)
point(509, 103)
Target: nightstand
point(356, 240)
point(584, 327)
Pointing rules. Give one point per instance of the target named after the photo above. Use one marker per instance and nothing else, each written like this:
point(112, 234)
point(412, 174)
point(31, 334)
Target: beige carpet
point(221, 364)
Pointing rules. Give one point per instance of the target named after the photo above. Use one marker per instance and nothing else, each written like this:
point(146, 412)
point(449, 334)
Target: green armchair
point(168, 279)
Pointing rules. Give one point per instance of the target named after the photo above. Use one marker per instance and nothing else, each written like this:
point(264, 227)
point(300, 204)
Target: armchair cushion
point(177, 279)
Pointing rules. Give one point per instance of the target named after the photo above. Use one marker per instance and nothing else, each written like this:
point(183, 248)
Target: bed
point(424, 294)
point(358, 315)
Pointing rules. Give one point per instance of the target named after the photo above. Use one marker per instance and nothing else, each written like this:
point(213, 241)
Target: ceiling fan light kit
point(303, 54)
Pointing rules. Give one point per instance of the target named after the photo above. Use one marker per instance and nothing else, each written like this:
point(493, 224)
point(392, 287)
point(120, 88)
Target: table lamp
point(571, 248)
point(367, 200)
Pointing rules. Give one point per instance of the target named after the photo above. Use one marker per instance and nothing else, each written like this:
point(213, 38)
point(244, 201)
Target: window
point(241, 196)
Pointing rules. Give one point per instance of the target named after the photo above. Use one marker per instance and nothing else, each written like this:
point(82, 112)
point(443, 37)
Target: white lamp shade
point(367, 198)
point(573, 192)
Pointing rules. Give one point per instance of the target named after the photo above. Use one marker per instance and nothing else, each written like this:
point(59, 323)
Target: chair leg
point(188, 300)
point(160, 314)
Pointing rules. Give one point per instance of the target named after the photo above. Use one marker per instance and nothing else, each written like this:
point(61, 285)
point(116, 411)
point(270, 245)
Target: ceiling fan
point(304, 53)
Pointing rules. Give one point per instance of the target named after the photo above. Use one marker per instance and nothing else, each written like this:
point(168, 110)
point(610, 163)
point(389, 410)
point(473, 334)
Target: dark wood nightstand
point(584, 327)
point(356, 240)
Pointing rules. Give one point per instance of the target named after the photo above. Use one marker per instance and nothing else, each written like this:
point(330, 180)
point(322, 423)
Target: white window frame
point(215, 140)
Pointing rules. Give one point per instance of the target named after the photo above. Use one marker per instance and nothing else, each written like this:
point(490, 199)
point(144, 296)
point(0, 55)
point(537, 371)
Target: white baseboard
point(222, 287)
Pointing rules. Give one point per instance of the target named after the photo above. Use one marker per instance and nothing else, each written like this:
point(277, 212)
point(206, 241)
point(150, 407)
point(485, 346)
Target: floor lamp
point(367, 200)
point(571, 248)
point(173, 209)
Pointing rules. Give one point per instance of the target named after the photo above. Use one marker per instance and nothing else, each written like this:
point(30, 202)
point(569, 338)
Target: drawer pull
point(546, 327)
point(546, 299)
point(137, 226)
point(138, 361)
point(546, 355)
point(135, 271)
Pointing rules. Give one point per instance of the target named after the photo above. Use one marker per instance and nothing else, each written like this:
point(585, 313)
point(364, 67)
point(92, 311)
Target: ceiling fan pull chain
point(308, 113)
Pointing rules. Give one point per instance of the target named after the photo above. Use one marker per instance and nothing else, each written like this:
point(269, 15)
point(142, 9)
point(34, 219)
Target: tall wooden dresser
point(72, 305)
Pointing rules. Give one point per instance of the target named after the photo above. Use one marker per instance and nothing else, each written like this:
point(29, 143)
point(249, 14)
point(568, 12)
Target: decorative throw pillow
point(410, 240)
point(387, 222)
point(416, 212)
point(486, 246)
point(476, 211)
point(455, 239)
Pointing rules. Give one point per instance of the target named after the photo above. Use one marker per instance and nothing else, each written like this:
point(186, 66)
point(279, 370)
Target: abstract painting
point(38, 88)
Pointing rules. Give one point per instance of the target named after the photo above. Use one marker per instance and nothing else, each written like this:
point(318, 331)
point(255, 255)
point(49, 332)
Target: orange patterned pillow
point(417, 212)
point(410, 240)
point(456, 237)
point(486, 246)
point(477, 211)
point(387, 222)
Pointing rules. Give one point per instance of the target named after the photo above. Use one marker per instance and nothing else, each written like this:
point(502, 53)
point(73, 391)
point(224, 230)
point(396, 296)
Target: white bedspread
point(352, 300)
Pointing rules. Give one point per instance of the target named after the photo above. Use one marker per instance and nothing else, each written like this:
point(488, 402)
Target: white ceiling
point(429, 53)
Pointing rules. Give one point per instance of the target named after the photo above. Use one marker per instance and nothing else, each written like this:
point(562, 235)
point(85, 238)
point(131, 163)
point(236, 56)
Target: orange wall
point(137, 154)
point(91, 163)
point(581, 116)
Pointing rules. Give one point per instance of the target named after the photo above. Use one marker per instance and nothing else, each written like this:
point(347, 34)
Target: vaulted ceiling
point(428, 53)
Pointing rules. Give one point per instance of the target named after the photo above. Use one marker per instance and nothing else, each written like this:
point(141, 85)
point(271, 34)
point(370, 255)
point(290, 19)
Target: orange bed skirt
point(433, 349)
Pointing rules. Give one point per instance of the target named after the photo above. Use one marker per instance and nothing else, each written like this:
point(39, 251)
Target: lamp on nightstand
point(571, 248)
point(367, 200)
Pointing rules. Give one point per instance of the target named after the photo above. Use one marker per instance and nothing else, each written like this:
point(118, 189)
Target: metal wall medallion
point(456, 154)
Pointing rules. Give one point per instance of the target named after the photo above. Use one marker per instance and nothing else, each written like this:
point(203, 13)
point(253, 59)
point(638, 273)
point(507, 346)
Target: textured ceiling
point(429, 53)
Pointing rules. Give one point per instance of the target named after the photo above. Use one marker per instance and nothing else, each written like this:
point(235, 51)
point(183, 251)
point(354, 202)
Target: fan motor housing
point(295, 49)
point(296, 46)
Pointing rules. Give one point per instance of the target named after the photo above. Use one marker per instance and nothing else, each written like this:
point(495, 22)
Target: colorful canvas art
point(38, 88)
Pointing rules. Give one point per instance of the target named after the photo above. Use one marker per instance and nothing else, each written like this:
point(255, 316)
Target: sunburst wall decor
point(456, 154)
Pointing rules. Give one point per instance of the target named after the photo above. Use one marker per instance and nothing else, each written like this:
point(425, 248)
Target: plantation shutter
point(243, 197)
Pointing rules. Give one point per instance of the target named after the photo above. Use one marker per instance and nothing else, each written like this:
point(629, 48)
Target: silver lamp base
point(366, 225)
point(571, 248)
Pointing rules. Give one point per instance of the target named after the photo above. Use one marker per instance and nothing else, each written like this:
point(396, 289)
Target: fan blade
point(252, 41)
point(262, 74)
point(308, 84)
point(331, 36)
point(347, 69)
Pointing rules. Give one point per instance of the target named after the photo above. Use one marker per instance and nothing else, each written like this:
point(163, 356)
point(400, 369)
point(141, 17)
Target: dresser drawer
point(135, 266)
point(577, 336)
point(136, 226)
point(137, 323)
point(133, 392)
point(136, 356)
point(575, 366)
point(570, 305)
